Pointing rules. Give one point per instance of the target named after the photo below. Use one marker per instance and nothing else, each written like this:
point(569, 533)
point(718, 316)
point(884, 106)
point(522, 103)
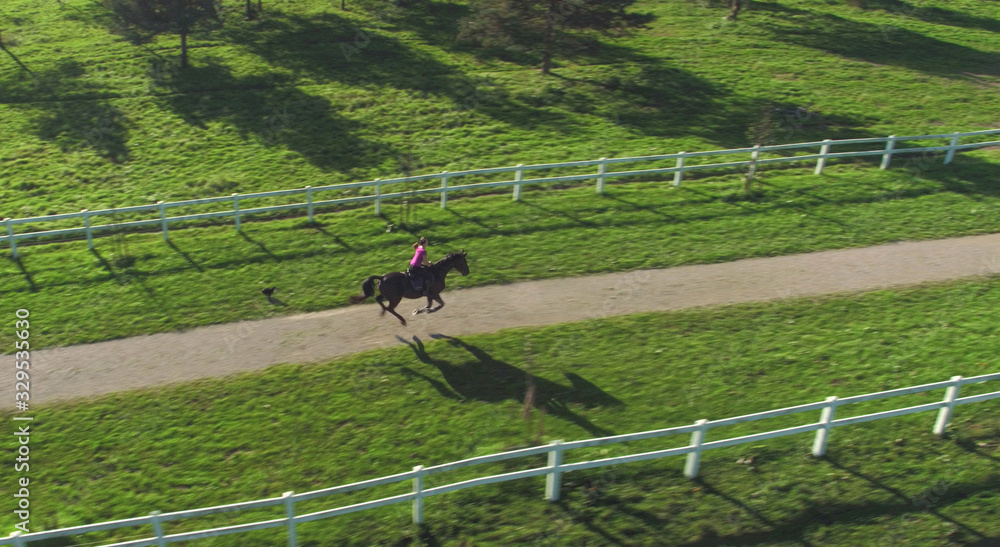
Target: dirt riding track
point(143, 361)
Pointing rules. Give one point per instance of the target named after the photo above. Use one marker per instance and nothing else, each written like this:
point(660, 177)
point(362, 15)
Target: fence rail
point(378, 196)
point(552, 471)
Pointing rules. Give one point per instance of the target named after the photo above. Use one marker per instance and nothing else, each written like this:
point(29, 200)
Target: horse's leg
point(392, 309)
point(427, 308)
point(437, 297)
point(379, 298)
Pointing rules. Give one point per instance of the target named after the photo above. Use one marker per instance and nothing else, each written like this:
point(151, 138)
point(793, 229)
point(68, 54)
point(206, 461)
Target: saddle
point(419, 280)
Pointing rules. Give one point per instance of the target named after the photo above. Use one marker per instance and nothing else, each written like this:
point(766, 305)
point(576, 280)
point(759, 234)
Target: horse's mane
point(448, 259)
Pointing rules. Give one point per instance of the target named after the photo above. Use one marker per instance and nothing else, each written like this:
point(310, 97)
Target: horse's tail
point(368, 287)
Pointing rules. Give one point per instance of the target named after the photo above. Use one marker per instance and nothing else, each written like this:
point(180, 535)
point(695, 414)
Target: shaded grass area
point(308, 94)
point(135, 283)
point(427, 402)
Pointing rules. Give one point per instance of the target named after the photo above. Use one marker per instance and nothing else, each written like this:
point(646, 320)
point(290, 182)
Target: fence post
point(694, 457)
point(236, 208)
point(86, 229)
point(752, 168)
point(890, 145)
point(10, 238)
point(163, 219)
point(679, 174)
point(158, 529)
point(944, 415)
point(823, 151)
point(418, 500)
point(290, 513)
point(18, 542)
point(601, 169)
point(819, 444)
point(378, 197)
point(554, 477)
point(951, 150)
point(518, 176)
point(309, 203)
point(444, 189)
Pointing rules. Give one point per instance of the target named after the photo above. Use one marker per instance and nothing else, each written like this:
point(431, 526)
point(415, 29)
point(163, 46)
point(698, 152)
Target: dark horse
point(396, 286)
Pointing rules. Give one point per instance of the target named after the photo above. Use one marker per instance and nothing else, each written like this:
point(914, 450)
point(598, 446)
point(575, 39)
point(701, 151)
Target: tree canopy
point(544, 25)
point(152, 17)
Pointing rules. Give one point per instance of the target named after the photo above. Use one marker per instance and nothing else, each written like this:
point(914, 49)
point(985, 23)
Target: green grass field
point(91, 120)
point(300, 428)
point(137, 284)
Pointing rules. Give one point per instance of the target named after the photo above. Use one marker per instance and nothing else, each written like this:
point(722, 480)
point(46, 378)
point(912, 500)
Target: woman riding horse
point(419, 269)
point(396, 286)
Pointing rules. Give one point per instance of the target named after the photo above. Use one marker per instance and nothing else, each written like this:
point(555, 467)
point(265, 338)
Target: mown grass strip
point(135, 283)
point(301, 428)
point(101, 122)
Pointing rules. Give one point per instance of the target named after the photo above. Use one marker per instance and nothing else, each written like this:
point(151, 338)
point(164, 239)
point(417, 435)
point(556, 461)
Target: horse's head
point(458, 262)
point(453, 261)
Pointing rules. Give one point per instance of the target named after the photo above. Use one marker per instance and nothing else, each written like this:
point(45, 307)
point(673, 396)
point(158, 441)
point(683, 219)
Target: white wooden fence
point(553, 471)
point(162, 221)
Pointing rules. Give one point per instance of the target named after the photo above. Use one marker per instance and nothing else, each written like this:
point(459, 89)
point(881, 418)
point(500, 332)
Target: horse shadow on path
point(489, 380)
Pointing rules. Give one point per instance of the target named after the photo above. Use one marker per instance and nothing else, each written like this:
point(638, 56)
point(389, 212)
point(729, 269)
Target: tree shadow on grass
point(439, 23)
point(489, 380)
point(935, 15)
point(934, 497)
point(819, 514)
point(327, 47)
point(69, 111)
point(646, 95)
point(268, 115)
point(968, 176)
point(875, 44)
point(795, 528)
point(640, 92)
point(587, 521)
point(17, 60)
point(436, 23)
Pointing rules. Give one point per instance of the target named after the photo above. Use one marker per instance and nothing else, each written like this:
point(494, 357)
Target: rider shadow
point(490, 380)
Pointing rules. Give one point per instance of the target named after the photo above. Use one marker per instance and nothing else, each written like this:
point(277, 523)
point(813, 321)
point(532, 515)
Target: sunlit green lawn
point(275, 103)
point(302, 428)
point(137, 283)
point(90, 120)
